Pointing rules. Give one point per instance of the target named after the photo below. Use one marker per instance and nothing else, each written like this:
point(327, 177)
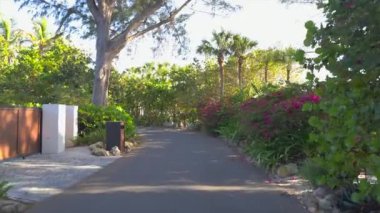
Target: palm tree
point(266, 57)
point(288, 57)
point(41, 36)
point(10, 37)
point(240, 47)
point(6, 29)
point(219, 46)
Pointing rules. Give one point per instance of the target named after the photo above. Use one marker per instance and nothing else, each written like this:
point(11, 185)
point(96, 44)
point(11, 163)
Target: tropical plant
point(288, 56)
point(11, 39)
point(240, 47)
point(219, 46)
point(347, 136)
point(266, 58)
point(41, 36)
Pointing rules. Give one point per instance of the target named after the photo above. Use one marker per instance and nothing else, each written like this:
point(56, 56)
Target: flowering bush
point(210, 114)
point(273, 127)
point(277, 125)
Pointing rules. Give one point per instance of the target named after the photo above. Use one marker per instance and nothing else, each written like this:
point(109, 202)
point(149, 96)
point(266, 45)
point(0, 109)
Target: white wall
point(53, 128)
point(71, 124)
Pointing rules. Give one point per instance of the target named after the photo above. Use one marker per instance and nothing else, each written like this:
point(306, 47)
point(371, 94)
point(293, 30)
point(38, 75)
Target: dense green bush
point(61, 74)
point(157, 93)
point(92, 118)
point(347, 137)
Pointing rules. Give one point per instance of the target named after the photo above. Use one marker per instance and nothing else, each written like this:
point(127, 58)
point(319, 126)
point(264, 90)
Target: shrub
point(210, 114)
point(91, 137)
point(230, 130)
point(277, 125)
point(229, 126)
point(92, 118)
point(347, 137)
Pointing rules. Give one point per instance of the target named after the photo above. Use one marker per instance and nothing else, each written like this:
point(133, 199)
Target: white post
point(71, 124)
point(53, 128)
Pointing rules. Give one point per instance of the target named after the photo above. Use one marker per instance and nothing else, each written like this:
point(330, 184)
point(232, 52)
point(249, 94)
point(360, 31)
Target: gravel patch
point(40, 176)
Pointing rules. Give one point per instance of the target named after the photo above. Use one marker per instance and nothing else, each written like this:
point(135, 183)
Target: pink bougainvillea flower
point(296, 105)
point(315, 98)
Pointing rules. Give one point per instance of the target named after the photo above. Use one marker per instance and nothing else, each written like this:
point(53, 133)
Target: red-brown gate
point(20, 132)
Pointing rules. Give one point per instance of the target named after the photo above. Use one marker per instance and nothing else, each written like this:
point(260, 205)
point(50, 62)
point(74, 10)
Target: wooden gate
point(20, 132)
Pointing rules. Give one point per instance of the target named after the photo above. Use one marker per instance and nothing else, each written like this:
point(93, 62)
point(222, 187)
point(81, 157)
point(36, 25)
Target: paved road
point(174, 172)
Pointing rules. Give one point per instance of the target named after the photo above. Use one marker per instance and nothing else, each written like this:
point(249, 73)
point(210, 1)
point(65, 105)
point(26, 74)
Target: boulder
point(322, 192)
point(115, 151)
point(97, 145)
point(287, 170)
point(168, 124)
point(100, 152)
point(327, 203)
point(129, 146)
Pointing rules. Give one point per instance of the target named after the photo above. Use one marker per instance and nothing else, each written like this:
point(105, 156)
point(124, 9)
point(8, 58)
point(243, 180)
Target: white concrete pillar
point(71, 124)
point(53, 128)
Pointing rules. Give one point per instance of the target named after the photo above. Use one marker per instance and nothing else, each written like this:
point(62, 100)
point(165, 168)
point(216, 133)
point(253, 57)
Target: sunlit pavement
point(174, 171)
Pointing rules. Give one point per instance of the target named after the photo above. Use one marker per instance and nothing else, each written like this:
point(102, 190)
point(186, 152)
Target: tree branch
point(93, 9)
point(136, 22)
point(159, 24)
point(118, 42)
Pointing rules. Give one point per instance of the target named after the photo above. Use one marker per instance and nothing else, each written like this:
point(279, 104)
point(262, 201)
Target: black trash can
point(115, 135)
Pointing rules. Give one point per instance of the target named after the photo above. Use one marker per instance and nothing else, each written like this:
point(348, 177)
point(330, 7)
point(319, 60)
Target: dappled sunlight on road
point(253, 188)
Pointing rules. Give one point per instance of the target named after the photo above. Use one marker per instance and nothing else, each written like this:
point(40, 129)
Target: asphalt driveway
point(174, 171)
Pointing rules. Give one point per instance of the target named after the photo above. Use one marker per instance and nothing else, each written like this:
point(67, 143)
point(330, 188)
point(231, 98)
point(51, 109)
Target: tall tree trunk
point(107, 49)
point(101, 82)
point(221, 76)
point(288, 69)
point(102, 66)
point(266, 73)
point(240, 72)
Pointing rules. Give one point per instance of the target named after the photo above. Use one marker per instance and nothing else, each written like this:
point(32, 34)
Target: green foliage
point(312, 171)
point(60, 75)
point(4, 188)
point(158, 93)
point(347, 135)
point(271, 154)
point(219, 47)
point(229, 130)
point(91, 137)
point(92, 119)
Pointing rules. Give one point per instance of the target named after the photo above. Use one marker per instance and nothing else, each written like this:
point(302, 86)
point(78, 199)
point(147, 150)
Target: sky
point(269, 22)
